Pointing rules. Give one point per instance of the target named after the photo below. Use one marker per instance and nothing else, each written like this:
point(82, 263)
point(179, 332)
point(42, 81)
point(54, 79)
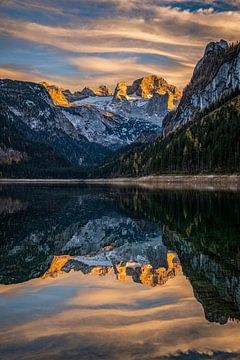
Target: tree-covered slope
point(21, 157)
point(209, 144)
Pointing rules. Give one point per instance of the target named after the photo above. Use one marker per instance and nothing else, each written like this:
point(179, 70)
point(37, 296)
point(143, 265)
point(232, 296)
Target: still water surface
point(104, 272)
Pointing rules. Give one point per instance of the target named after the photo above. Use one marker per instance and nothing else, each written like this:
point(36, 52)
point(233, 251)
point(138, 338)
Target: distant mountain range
point(80, 132)
point(46, 127)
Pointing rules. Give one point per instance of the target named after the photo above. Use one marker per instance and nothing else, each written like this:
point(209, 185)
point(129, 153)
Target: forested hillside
point(20, 157)
point(210, 144)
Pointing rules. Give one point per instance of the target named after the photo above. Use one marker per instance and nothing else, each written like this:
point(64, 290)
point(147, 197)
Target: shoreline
point(152, 179)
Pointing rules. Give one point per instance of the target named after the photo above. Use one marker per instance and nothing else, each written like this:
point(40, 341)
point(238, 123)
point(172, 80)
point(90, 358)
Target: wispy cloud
point(176, 36)
point(113, 70)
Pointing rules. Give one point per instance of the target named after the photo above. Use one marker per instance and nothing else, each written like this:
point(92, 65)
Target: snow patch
point(15, 111)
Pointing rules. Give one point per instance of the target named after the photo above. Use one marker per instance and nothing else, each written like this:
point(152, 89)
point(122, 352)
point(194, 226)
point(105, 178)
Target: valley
point(147, 127)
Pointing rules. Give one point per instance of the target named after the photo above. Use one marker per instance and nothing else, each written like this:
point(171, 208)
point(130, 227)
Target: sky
point(77, 43)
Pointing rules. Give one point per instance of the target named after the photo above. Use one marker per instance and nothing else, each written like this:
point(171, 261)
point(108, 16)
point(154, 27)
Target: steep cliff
point(57, 96)
point(148, 99)
point(216, 75)
point(160, 102)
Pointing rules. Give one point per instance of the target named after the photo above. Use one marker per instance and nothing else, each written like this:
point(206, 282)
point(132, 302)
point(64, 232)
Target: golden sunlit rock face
point(120, 93)
point(146, 87)
point(102, 90)
point(101, 270)
point(124, 271)
point(56, 95)
point(146, 274)
point(57, 263)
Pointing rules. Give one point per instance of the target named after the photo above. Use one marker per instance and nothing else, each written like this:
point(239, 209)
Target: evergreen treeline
point(202, 217)
point(210, 144)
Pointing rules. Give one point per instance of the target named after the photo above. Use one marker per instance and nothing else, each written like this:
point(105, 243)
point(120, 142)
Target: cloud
point(31, 74)
point(18, 73)
point(112, 70)
point(175, 35)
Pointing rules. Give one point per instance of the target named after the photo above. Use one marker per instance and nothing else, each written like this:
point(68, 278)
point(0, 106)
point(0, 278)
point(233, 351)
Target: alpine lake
point(119, 272)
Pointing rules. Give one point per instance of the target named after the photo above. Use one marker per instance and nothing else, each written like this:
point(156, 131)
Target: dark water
point(104, 272)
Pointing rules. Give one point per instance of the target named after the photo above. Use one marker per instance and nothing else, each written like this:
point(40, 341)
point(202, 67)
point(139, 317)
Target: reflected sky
point(96, 317)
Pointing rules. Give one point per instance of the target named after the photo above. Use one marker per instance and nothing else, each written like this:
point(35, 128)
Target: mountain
point(82, 133)
point(31, 109)
point(210, 144)
point(145, 87)
point(146, 127)
point(200, 226)
point(203, 133)
point(216, 75)
point(95, 122)
point(210, 279)
point(148, 99)
point(107, 128)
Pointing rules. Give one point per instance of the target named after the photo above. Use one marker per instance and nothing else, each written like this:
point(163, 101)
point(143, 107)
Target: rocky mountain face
point(120, 93)
point(56, 94)
point(216, 75)
point(150, 97)
point(158, 101)
point(107, 128)
point(30, 108)
point(145, 88)
point(209, 144)
point(20, 155)
point(201, 227)
point(102, 90)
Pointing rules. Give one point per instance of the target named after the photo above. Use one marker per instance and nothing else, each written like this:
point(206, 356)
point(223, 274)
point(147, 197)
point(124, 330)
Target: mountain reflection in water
point(130, 234)
point(139, 272)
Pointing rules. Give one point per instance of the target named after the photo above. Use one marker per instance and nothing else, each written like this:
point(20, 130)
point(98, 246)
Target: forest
point(210, 144)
